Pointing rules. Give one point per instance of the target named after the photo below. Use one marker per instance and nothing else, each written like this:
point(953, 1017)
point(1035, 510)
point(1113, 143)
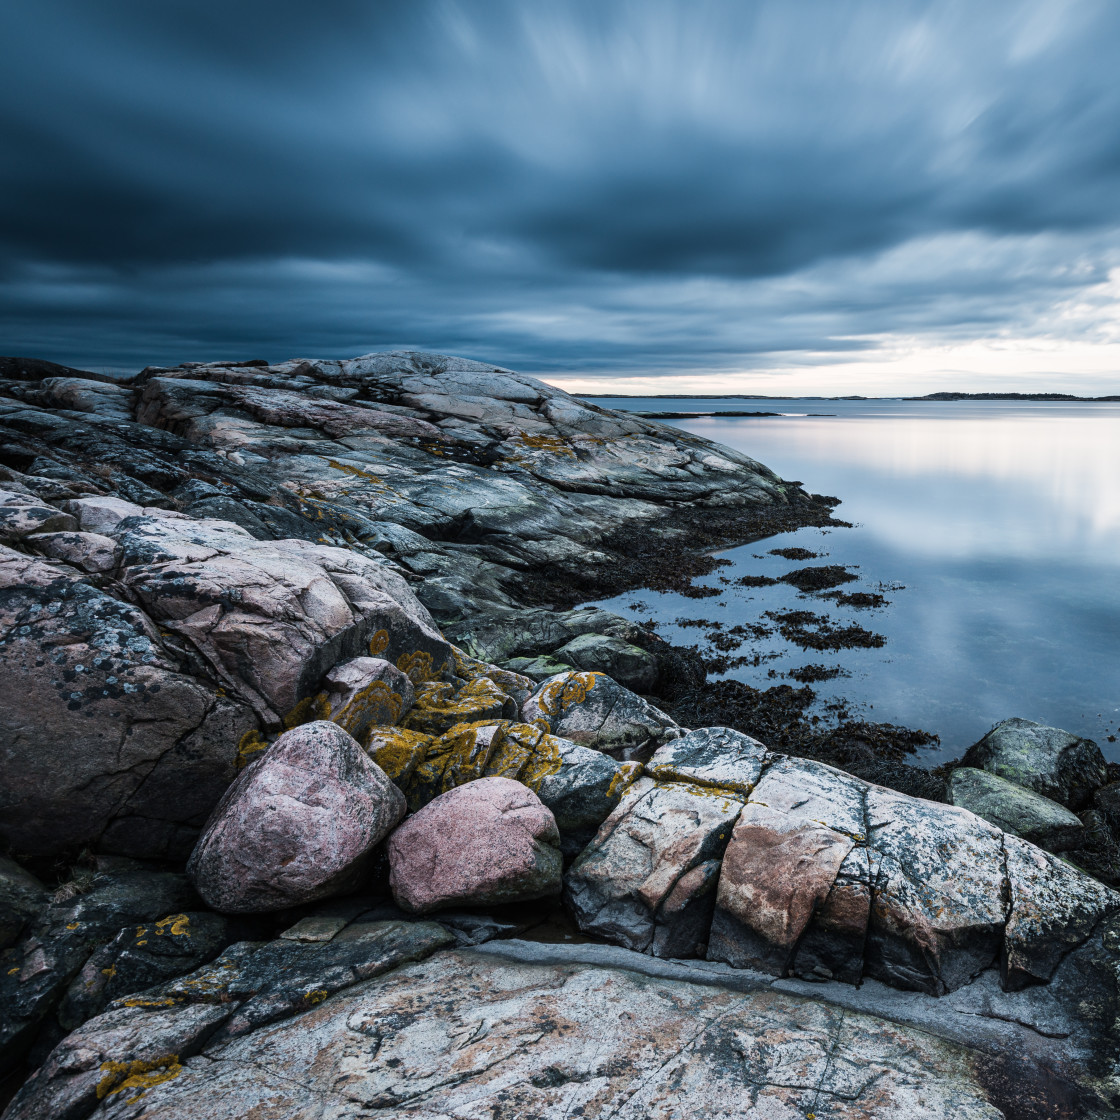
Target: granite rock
point(1052, 762)
point(299, 823)
point(489, 841)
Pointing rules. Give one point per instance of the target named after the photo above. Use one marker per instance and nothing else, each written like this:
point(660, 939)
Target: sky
point(807, 196)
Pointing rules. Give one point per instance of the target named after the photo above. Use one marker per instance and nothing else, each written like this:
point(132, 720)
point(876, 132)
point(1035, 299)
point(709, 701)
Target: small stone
point(366, 692)
point(317, 927)
point(299, 824)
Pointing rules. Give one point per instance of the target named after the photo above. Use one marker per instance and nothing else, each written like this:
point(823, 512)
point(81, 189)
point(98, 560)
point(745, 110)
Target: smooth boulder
point(1053, 762)
point(366, 692)
point(1015, 809)
point(487, 842)
point(299, 824)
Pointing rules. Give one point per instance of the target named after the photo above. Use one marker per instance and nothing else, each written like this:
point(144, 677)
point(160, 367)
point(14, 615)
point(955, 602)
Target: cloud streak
point(573, 189)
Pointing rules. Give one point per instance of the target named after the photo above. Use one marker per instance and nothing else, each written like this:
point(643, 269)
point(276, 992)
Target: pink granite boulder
point(299, 824)
point(486, 842)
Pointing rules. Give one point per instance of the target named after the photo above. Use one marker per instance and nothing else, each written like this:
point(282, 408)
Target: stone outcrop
point(793, 868)
point(487, 842)
point(219, 594)
point(300, 823)
point(184, 558)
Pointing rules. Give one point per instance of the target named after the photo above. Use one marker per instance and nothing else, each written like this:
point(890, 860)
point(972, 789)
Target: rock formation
point(310, 626)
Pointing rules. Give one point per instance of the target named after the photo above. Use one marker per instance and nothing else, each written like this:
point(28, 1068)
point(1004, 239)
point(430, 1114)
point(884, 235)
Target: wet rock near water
point(1052, 762)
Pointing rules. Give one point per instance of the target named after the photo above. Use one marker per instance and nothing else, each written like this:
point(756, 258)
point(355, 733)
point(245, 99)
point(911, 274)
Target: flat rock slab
point(1016, 809)
point(464, 1035)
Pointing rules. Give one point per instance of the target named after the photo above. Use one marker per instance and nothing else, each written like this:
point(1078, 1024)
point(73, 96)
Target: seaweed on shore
point(811, 674)
point(860, 599)
point(778, 717)
point(794, 626)
point(819, 578)
point(794, 553)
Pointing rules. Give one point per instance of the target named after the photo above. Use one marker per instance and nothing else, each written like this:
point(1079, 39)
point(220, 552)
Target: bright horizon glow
point(899, 368)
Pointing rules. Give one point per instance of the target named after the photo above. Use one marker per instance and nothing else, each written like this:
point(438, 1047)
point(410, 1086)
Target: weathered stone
point(1050, 761)
point(778, 870)
point(143, 1041)
point(1016, 809)
point(397, 751)
point(91, 552)
point(366, 692)
point(515, 685)
point(595, 711)
point(1054, 908)
point(537, 669)
point(300, 823)
point(139, 957)
point(711, 756)
point(939, 902)
point(316, 927)
point(790, 842)
point(478, 701)
point(22, 898)
point(630, 665)
point(158, 745)
point(21, 515)
point(556, 1040)
point(486, 842)
point(35, 973)
point(274, 616)
point(631, 884)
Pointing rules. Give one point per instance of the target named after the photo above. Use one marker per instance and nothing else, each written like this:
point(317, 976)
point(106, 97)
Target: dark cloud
point(633, 187)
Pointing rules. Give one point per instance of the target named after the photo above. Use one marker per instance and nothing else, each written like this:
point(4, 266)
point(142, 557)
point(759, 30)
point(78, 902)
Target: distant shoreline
point(1055, 397)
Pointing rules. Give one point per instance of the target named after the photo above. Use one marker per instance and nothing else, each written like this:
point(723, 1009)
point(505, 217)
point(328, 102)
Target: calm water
point(1002, 522)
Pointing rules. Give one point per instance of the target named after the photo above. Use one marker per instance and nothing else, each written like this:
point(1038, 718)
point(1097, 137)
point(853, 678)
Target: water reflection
point(1001, 519)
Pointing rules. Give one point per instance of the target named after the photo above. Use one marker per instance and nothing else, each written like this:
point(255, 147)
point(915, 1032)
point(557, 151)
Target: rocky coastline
point(322, 793)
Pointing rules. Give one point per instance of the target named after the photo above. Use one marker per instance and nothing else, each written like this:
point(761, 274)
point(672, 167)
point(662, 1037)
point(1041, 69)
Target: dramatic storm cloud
point(732, 195)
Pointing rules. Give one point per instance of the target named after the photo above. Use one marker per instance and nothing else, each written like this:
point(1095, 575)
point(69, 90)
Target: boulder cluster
point(357, 823)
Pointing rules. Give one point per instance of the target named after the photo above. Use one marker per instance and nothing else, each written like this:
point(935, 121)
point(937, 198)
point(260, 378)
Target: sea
point(990, 530)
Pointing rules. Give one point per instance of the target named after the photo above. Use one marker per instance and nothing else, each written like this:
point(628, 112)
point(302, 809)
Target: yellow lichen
point(251, 743)
point(379, 643)
point(178, 925)
point(142, 1075)
point(397, 750)
point(316, 996)
point(308, 709)
point(356, 472)
point(139, 1001)
point(417, 666)
point(557, 697)
point(628, 774)
point(377, 698)
point(545, 443)
point(436, 712)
